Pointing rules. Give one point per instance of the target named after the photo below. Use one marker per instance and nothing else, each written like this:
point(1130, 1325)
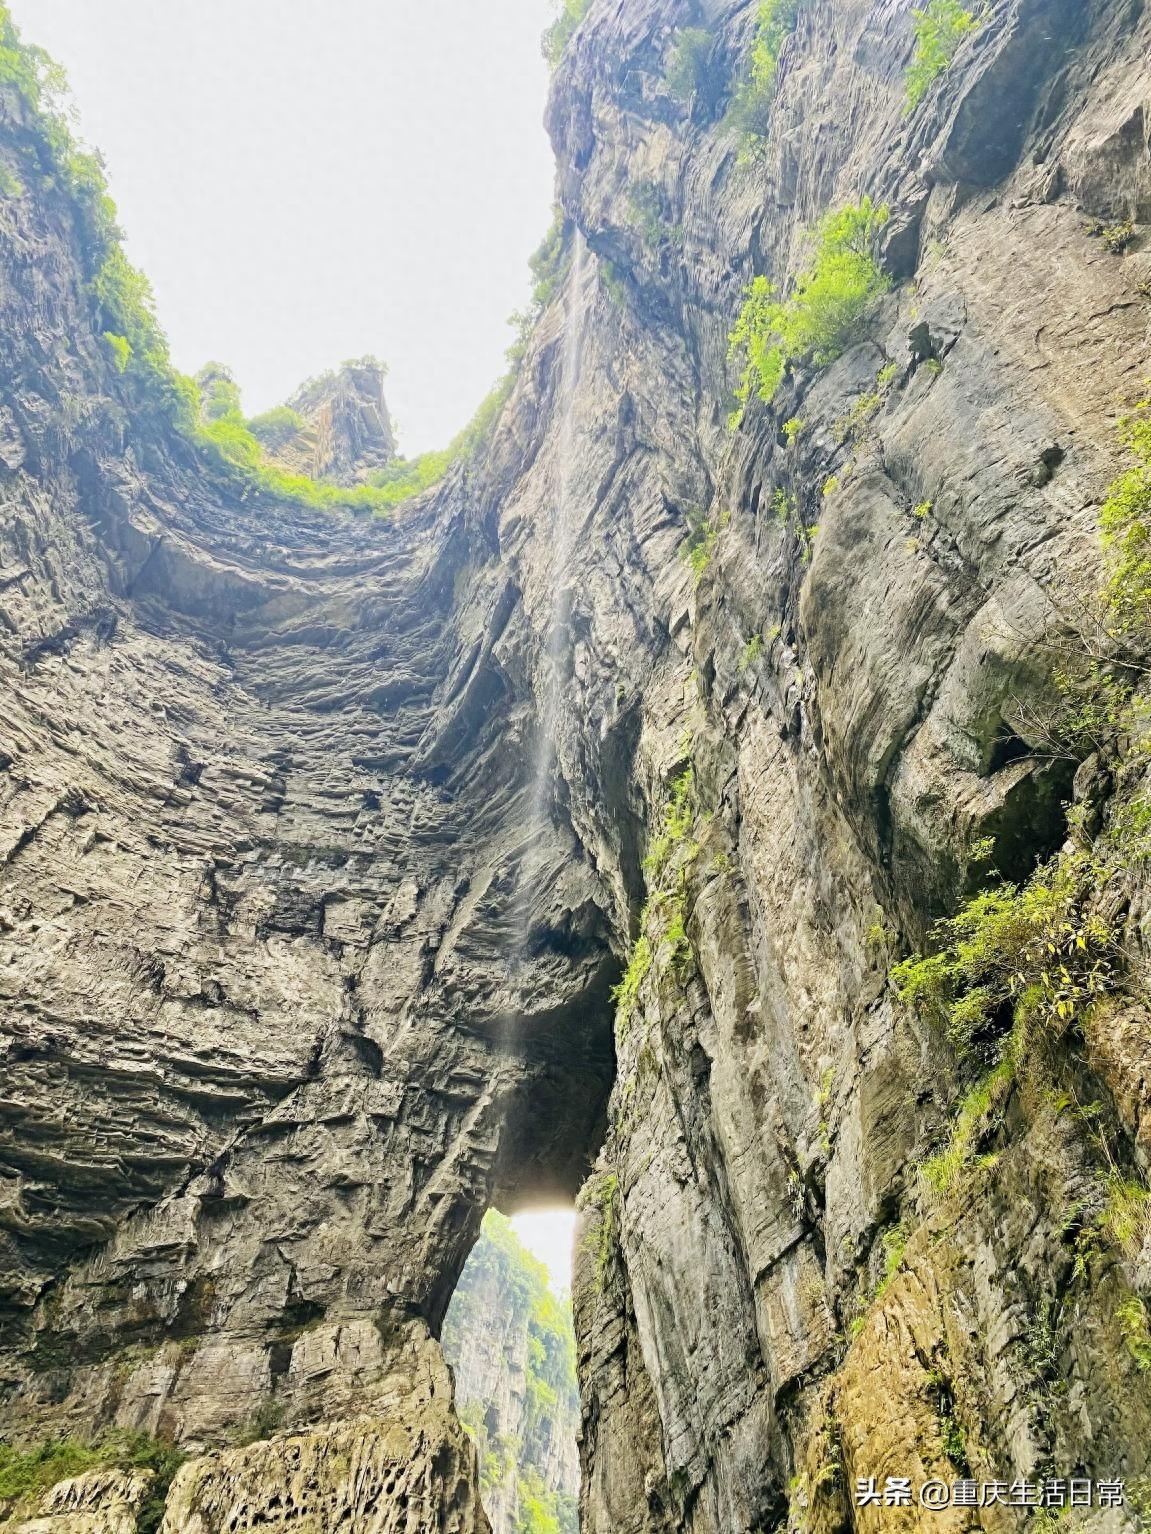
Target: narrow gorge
point(722, 799)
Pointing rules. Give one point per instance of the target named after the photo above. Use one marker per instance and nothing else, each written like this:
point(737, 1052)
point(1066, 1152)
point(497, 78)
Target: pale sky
point(309, 180)
point(548, 1236)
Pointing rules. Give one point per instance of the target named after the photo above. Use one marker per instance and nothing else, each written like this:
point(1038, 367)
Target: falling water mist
point(558, 640)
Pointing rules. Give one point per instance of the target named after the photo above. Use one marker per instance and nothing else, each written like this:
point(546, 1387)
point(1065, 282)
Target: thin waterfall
point(558, 640)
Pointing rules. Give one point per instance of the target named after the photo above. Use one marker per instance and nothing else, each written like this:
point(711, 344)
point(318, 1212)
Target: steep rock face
point(265, 1061)
point(344, 432)
point(509, 1342)
point(845, 696)
point(324, 840)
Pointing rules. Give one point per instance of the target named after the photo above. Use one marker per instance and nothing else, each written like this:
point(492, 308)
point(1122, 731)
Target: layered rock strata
point(324, 840)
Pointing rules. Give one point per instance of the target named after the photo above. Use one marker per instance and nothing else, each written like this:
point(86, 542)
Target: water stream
point(558, 642)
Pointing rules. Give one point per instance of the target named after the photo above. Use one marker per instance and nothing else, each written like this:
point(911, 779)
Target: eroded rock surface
point(343, 431)
point(323, 846)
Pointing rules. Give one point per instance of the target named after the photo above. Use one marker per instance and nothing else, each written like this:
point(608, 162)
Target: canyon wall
point(508, 1339)
point(326, 840)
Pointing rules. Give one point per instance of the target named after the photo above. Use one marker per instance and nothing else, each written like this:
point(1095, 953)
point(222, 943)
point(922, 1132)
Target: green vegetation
point(219, 392)
point(1039, 953)
point(699, 548)
point(241, 444)
point(405, 478)
point(1115, 238)
point(1132, 1318)
point(689, 65)
point(548, 264)
point(542, 1511)
point(752, 651)
point(824, 312)
point(678, 816)
point(645, 202)
point(264, 1421)
point(275, 428)
point(602, 1193)
point(894, 1250)
point(205, 411)
point(121, 298)
point(1125, 524)
point(30, 1472)
point(1126, 1210)
point(562, 29)
point(122, 302)
point(867, 406)
point(614, 283)
point(626, 993)
point(223, 430)
point(941, 1172)
point(666, 901)
point(38, 1469)
point(751, 104)
point(502, 1282)
point(939, 29)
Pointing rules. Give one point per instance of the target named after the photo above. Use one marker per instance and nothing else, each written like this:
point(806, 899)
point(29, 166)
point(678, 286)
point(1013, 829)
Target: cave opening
point(503, 1302)
point(508, 1336)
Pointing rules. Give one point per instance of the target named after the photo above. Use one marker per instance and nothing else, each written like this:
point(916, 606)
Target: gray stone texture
point(299, 971)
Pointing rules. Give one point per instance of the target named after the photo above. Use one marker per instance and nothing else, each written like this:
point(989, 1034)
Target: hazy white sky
point(309, 180)
point(548, 1236)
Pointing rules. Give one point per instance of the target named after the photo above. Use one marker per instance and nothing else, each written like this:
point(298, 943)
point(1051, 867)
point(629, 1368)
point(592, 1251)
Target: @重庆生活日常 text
point(935, 1495)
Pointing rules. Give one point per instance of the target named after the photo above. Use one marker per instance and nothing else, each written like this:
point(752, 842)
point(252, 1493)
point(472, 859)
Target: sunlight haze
point(306, 182)
point(548, 1235)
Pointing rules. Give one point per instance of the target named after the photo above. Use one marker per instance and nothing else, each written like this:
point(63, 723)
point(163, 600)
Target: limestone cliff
point(325, 841)
point(341, 433)
point(509, 1341)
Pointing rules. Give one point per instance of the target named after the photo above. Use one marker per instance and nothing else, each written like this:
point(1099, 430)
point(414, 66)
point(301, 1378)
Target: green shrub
point(541, 1511)
point(645, 204)
point(1115, 238)
point(1125, 524)
point(1132, 1318)
point(562, 29)
point(626, 993)
point(404, 478)
point(602, 1192)
point(1037, 951)
point(895, 1242)
point(219, 393)
point(121, 350)
point(825, 310)
point(751, 105)
point(941, 1171)
point(275, 428)
point(37, 1469)
point(678, 816)
point(32, 1471)
point(939, 29)
point(668, 900)
point(699, 549)
point(268, 1416)
point(688, 67)
point(548, 263)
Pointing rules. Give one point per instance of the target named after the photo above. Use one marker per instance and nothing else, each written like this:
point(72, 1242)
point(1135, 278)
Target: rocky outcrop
point(342, 432)
point(324, 840)
point(403, 1472)
point(98, 1502)
point(509, 1342)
